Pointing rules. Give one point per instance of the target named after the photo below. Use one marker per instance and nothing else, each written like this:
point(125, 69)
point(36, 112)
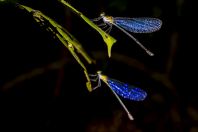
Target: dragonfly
point(134, 25)
point(122, 89)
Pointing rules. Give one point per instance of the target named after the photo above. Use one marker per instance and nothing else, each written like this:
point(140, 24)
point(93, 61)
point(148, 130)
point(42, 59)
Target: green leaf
point(65, 38)
point(109, 40)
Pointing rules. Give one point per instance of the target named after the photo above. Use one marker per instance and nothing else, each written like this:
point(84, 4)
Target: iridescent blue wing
point(127, 91)
point(139, 25)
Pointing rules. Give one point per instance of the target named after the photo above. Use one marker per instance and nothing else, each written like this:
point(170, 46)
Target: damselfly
point(135, 25)
point(122, 89)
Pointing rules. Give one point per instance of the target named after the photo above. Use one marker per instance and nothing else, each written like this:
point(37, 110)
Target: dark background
point(43, 87)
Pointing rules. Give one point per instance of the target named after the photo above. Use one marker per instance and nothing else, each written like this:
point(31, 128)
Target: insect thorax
point(108, 19)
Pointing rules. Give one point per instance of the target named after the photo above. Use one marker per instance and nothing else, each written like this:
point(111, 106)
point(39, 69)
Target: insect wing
point(127, 91)
point(139, 25)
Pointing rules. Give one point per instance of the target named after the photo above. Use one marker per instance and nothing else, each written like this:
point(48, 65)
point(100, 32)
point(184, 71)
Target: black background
point(57, 98)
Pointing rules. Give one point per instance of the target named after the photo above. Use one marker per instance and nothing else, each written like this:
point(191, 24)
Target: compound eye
point(102, 14)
